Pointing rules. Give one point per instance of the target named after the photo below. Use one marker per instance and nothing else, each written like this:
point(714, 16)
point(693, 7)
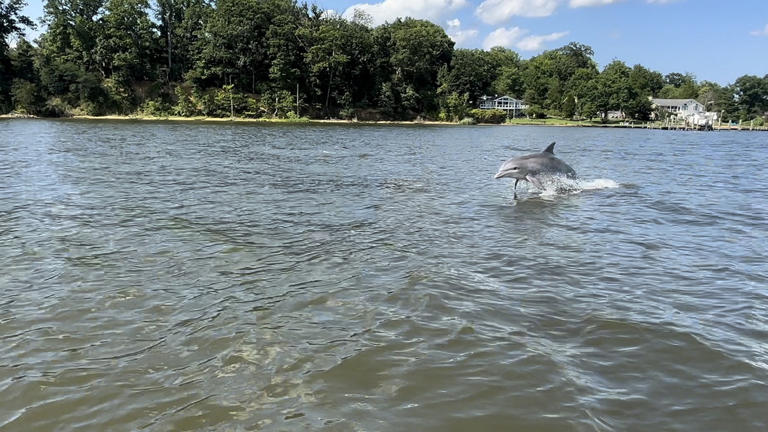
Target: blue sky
point(715, 40)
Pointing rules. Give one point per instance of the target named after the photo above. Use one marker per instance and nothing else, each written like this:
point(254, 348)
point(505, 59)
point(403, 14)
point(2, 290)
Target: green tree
point(538, 74)
point(611, 90)
point(180, 26)
point(645, 82)
point(233, 46)
point(580, 88)
point(679, 86)
point(25, 90)
point(12, 22)
point(417, 50)
point(471, 72)
point(126, 45)
point(454, 107)
point(751, 94)
point(340, 63)
point(289, 38)
point(548, 75)
point(67, 63)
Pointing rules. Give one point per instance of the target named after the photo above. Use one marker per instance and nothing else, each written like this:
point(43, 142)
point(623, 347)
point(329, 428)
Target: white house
point(681, 107)
point(504, 103)
point(688, 110)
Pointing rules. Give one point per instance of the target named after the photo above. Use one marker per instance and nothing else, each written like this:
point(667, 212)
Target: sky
point(712, 39)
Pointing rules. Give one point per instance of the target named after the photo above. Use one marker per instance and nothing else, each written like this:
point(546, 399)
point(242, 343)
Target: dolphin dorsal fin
point(550, 149)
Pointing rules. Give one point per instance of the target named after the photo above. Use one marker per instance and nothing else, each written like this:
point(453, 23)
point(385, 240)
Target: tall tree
point(417, 50)
point(645, 81)
point(180, 25)
point(126, 47)
point(12, 22)
point(547, 76)
point(340, 61)
point(611, 89)
point(471, 72)
point(25, 90)
point(751, 94)
point(67, 62)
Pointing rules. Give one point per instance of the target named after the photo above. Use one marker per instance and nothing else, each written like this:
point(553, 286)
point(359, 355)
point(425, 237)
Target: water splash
point(564, 186)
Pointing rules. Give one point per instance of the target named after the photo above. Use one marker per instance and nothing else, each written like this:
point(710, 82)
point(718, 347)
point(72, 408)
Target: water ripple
point(166, 276)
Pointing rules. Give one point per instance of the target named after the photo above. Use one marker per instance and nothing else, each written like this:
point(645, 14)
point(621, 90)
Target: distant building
point(616, 115)
point(512, 106)
point(681, 107)
point(690, 111)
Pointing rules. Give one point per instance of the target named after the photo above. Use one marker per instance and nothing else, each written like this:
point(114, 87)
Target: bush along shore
point(279, 59)
point(551, 121)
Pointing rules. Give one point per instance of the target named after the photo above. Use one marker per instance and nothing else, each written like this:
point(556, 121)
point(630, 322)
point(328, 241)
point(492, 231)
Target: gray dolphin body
point(533, 166)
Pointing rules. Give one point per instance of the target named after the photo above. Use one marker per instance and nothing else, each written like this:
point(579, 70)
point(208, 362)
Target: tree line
point(282, 59)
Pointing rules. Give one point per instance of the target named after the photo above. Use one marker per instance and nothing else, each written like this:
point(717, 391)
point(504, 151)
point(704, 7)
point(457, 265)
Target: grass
point(555, 121)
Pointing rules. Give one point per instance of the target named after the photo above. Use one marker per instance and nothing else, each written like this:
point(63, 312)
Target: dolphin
point(533, 166)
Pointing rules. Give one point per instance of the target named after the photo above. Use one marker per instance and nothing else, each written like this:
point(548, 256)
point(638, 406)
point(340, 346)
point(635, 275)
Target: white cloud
point(514, 37)
point(503, 37)
point(763, 32)
point(587, 3)
point(389, 10)
point(535, 42)
point(458, 35)
point(498, 11)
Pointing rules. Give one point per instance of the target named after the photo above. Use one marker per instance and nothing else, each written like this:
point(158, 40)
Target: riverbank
point(223, 119)
point(304, 120)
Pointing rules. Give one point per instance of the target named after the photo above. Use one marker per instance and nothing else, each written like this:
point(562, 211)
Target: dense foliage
point(278, 58)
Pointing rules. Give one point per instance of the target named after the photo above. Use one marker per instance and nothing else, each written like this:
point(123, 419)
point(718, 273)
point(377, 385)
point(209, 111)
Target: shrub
point(345, 113)
point(26, 97)
point(88, 108)
point(185, 105)
point(488, 116)
point(227, 102)
point(57, 107)
point(454, 107)
point(277, 104)
point(536, 112)
point(467, 121)
point(156, 108)
point(251, 108)
point(122, 99)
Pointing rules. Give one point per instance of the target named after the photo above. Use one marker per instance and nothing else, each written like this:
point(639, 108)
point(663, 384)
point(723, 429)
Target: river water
point(184, 276)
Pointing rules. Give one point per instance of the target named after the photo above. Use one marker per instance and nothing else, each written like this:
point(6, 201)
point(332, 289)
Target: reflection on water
point(190, 276)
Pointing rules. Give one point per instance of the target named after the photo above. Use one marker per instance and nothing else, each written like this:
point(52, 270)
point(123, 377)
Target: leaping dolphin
point(533, 166)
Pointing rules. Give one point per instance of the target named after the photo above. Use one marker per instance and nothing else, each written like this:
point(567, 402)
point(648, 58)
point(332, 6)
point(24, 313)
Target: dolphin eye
point(514, 168)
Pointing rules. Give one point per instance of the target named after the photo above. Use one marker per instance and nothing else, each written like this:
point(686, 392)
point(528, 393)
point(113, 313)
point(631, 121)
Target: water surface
point(182, 276)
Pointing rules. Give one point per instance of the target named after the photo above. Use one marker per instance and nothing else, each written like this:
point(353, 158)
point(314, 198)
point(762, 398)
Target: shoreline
point(245, 120)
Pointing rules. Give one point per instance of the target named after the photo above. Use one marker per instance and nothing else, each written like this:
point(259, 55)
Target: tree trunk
point(330, 80)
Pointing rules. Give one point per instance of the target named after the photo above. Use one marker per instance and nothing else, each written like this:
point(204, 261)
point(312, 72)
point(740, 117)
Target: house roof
point(673, 102)
point(505, 97)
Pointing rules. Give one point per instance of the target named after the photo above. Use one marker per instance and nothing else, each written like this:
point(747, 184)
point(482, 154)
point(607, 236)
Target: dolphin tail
point(550, 149)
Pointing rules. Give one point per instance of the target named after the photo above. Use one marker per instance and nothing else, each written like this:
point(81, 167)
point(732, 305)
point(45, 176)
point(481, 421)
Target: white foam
point(598, 184)
point(564, 186)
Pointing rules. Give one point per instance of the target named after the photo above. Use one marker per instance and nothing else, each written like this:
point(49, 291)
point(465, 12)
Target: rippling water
point(167, 276)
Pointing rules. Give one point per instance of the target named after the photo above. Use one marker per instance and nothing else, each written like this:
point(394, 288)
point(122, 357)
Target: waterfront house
point(616, 115)
point(689, 111)
point(512, 106)
point(680, 107)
